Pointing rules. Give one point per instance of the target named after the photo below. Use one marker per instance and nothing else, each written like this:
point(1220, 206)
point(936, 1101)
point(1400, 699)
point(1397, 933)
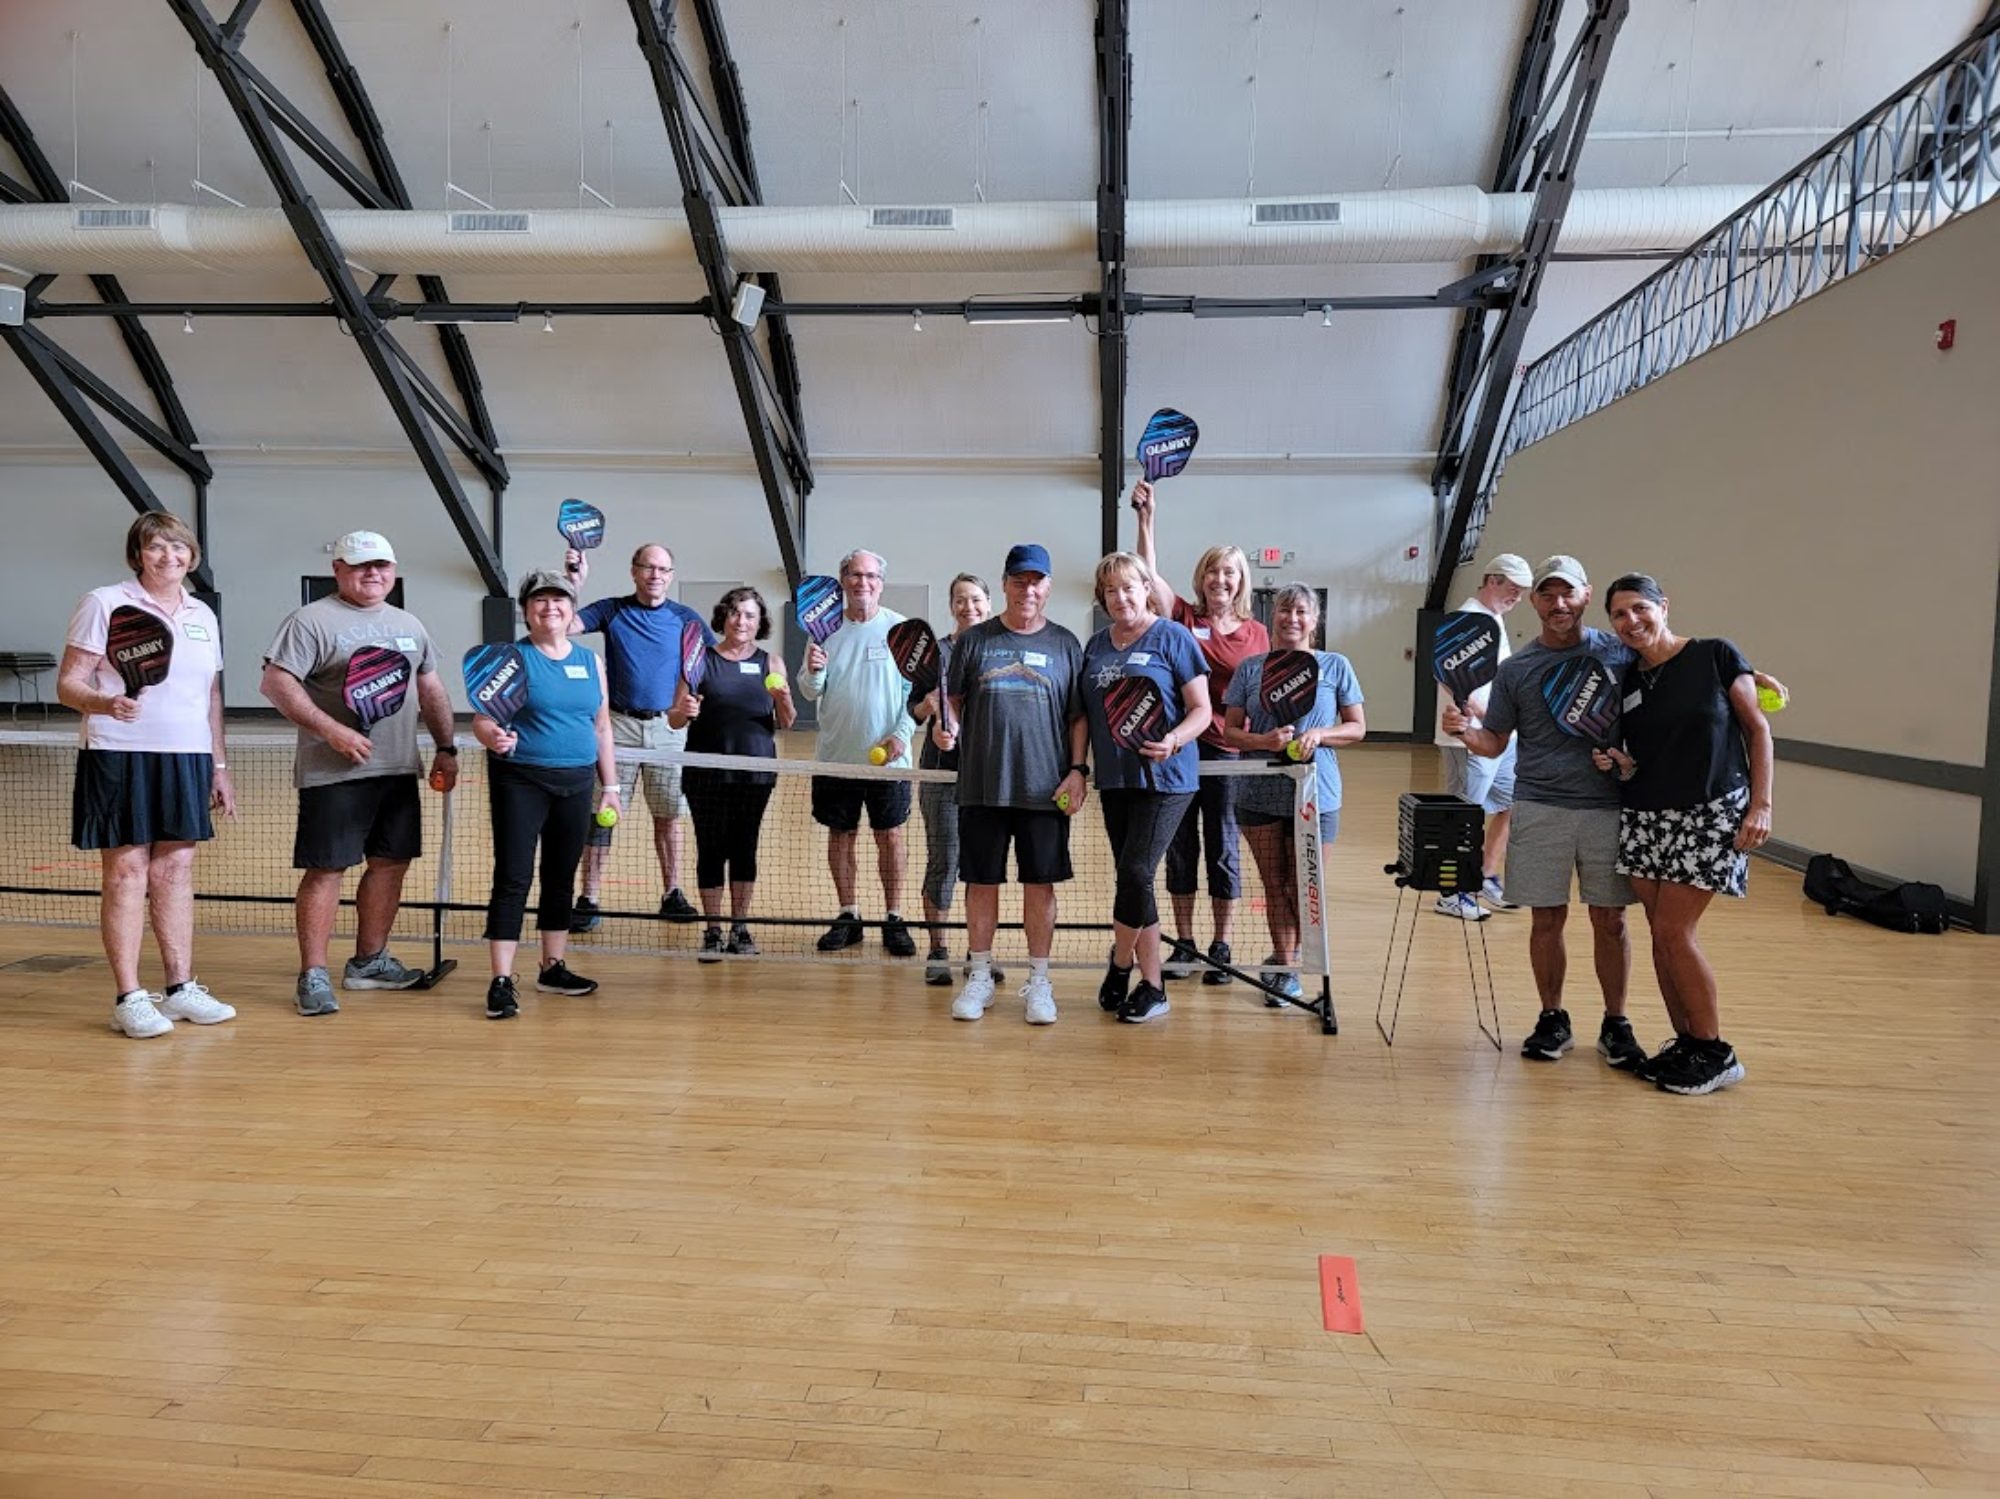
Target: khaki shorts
point(1547, 842)
point(661, 783)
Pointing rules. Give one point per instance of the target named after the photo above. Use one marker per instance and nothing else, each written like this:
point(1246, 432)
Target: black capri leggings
point(728, 823)
point(1207, 834)
point(1140, 824)
point(530, 804)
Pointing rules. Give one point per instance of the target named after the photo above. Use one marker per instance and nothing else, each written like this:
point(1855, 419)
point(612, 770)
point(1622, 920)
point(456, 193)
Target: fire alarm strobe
point(1947, 333)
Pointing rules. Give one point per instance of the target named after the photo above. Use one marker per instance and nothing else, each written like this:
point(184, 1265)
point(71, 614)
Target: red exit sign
point(1270, 556)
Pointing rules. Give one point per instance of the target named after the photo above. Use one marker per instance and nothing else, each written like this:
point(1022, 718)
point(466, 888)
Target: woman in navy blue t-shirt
point(1145, 792)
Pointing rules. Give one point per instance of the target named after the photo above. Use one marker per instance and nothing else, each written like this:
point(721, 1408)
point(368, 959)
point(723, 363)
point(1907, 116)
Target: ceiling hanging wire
point(1395, 77)
point(847, 104)
point(1256, 57)
point(979, 118)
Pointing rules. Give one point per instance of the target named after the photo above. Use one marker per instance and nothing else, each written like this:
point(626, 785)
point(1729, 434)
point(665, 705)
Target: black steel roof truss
point(252, 103)
point(1114, 132)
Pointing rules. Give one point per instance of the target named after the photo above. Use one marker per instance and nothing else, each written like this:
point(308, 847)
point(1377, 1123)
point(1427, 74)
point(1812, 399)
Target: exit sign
point(1270, 556)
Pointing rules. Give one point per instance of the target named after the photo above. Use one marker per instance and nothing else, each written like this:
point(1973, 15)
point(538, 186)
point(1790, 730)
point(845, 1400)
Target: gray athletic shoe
point(379, 972)
point(314, 995)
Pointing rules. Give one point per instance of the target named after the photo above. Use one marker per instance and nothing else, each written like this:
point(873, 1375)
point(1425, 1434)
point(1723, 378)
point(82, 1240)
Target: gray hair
point(880, 561)
point(1295, 593)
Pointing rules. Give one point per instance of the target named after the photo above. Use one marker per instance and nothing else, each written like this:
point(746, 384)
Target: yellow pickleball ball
point(1062, 801)
point(607, 817)
point(773, 682)
point(1294, 750)
point(878, 756)
point(1769, 699)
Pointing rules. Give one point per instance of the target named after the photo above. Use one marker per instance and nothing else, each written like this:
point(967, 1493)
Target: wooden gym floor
point(770, 1231)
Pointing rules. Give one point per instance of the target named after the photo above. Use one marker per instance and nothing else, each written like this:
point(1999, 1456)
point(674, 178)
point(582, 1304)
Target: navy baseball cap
point(1028, 557)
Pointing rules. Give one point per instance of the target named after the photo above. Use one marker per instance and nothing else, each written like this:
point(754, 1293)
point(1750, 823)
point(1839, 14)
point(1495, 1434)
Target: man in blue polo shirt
point(642, 650)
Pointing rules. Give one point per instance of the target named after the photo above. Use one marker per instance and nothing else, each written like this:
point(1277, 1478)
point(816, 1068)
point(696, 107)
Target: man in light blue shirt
point(863, 708)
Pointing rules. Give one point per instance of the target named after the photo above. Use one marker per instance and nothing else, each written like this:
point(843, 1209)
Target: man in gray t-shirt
point(1565, 816)
point(1016, 695)
point(342, 669)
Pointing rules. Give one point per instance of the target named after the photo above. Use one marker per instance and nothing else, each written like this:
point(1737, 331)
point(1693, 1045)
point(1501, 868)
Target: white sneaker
point(1041, 998)
point(1494, 896)
point(137, 1016)
point(974, 998)
point(194, 1002)
point(1463, 907)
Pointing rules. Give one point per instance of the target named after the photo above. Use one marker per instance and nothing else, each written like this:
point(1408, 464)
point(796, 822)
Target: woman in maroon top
point(1219, 616)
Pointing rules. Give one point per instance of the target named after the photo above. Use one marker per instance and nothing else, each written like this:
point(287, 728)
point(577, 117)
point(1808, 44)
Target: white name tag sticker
point(406, 642)
point(878, 653)
point(1202, 632)
point(1632, 700)
point(1139, 658)
point(577, 673)
point(748, 668)
point(1033, 658)
point(196, 632)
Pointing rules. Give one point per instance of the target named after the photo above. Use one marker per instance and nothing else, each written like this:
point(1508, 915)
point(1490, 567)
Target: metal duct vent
point(114, 218)
point(488, 223)
point(912, 218)
point(1276, 215)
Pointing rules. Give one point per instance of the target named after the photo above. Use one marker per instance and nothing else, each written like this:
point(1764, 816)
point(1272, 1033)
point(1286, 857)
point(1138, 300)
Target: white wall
point(270, 518)
point(1825, 490)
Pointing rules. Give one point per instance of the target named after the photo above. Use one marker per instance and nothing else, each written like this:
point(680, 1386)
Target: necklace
point(1649, 676)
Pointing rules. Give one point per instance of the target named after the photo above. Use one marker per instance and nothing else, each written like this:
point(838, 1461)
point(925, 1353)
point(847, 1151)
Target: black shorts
point(376, 817)
point(837, 803)
point(125, 797)
point(1040, 839)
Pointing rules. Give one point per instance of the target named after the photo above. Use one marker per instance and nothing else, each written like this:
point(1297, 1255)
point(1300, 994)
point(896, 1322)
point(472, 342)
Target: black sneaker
point(896, 938)
point(584, 915)
point(1617, 1045)
point(1649, 1070)
point(1180, 961)
point(1116, 989)
point(674, 906)
point(845, 932)
point(1146, 1003)
point(1699, 1067)
point(712, 946)
point(1550, 1038)
point(741, 943)
point(557, 979)
point(1218, 952)
point(937, 968)
point(501, 1001)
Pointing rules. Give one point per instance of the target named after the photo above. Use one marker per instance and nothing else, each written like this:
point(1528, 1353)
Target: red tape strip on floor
point(1339, 1293)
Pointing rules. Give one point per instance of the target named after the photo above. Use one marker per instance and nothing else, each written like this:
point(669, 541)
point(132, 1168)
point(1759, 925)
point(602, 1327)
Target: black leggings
point(530, 804)
point(728, 823)
point(1213, 825)
point(1140, 824)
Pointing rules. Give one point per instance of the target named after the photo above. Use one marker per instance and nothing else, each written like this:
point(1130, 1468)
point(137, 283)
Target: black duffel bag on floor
point(1909, 907)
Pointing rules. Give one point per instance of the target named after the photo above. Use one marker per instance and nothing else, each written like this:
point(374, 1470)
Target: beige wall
point(1824, 490)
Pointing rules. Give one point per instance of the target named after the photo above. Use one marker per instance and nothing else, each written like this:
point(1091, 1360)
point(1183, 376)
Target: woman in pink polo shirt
point(150, 770)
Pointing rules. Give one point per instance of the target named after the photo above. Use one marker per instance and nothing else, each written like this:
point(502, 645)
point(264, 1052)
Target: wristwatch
point(448, 749)
point(1081, 770)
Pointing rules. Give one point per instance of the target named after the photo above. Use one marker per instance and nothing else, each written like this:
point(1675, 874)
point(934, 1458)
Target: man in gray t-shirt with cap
point(342, 669)
point(1565, 815)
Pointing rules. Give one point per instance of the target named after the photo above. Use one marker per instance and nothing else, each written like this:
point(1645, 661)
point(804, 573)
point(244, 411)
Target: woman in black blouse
point(736, 712)
point(1696, 773)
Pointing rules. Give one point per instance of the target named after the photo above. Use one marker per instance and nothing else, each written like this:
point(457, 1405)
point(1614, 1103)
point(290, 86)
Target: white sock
point(981, 964)
point(854, 911)
point(1038, 968)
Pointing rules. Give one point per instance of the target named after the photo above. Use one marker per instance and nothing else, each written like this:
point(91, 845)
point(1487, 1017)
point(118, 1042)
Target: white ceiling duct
point(1418, 225)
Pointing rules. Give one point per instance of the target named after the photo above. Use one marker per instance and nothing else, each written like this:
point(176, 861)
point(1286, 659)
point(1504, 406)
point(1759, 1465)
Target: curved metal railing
point(1918, 160)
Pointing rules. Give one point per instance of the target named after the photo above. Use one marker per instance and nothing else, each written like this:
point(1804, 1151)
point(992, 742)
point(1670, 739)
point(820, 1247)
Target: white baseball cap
point(357, 547)
point(1567, 568)
point(1509, 566)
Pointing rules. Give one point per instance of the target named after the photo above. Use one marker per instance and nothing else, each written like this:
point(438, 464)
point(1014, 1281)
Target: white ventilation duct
point(1419, 225)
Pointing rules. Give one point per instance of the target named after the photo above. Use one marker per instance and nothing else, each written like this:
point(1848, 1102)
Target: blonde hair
point(1122, 562)
point(149, 528)
point(1214, 557)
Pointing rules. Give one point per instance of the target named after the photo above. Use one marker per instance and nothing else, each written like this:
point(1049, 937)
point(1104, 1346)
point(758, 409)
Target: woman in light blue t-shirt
point(541, 770)
point(1265, 804)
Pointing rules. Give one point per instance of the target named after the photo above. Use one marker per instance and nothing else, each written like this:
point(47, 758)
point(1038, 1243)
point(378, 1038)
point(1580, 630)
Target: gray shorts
point(1487, 784)
point(1546, 842)
point(660, 783)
